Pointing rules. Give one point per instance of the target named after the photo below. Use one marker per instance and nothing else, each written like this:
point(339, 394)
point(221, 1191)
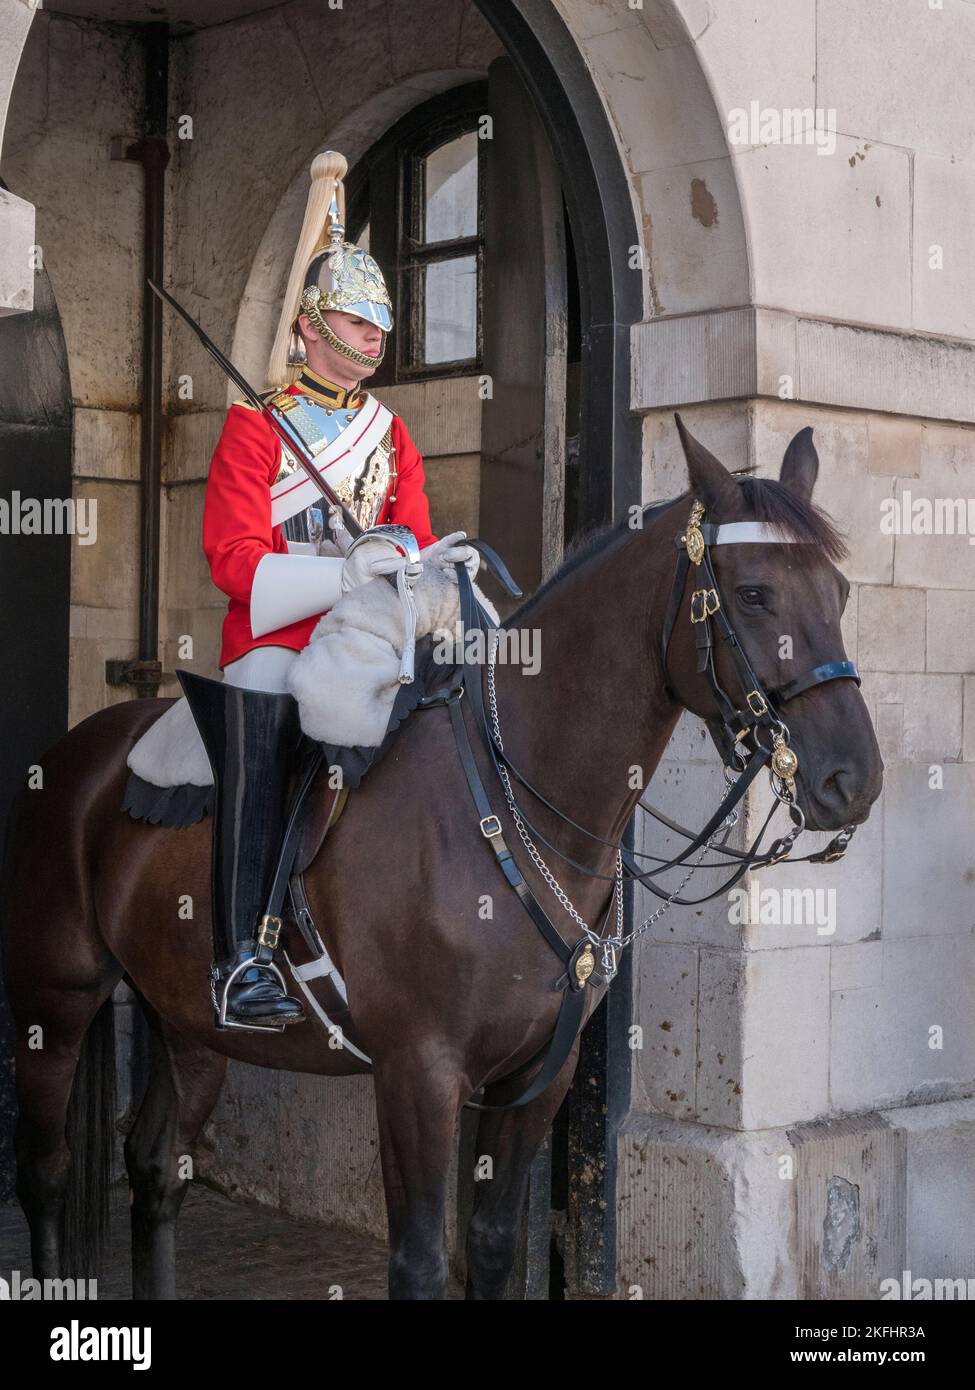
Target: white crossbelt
point(338, 460)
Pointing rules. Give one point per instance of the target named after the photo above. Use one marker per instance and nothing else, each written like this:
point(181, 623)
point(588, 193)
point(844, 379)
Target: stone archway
point(628, 186)
point(16, 215)
point(629, 111)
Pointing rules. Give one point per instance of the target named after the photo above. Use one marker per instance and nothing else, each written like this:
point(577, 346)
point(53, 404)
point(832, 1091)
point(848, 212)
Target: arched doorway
point(602, 296)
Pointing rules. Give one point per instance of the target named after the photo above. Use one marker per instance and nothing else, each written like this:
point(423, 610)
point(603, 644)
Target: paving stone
point(234, 1251)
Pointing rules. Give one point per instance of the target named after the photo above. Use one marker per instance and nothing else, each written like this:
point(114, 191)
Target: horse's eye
point(751, 598)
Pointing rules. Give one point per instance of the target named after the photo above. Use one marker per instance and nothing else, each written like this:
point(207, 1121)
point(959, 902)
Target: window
point(417, 198)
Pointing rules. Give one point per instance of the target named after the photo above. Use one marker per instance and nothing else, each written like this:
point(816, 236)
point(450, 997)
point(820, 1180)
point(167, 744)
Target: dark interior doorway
point(35, 583)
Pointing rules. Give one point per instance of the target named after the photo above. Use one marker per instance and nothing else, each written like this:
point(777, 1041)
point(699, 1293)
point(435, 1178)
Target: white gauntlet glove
point(447, 552)
point(372, 558)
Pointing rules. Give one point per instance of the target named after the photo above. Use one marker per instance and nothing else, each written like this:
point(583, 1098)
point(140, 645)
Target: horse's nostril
point(838, 786)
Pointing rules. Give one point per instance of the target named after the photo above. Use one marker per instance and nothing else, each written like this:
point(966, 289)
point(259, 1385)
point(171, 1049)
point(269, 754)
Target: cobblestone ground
point(233, 1250)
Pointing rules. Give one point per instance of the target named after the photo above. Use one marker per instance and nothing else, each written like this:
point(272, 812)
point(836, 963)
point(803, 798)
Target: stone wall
point(801, 1106)
point(762, 1042)
point(16, 213)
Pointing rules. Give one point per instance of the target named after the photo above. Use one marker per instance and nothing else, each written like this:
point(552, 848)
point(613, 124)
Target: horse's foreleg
point(184, 1083)
point(510, 1139)
point(417, 1103)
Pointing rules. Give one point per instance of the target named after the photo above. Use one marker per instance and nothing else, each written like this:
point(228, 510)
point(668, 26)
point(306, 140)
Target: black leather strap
point(491, 830)
point(573, 1007)
point(559, 1049)
point(830, 671)
point(313, 756)
point(498, 567)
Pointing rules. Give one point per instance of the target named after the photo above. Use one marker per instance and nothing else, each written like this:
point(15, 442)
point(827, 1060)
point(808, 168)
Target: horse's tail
point(90, 1132)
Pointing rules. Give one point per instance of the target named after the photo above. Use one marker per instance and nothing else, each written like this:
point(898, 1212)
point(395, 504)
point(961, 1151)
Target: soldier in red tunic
point(264, 534)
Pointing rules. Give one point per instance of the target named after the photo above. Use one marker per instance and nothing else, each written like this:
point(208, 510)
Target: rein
point(729, 731)
point(758, 713)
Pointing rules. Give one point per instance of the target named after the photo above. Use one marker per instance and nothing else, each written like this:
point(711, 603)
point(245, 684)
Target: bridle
point(734, 725)
point(758, 712)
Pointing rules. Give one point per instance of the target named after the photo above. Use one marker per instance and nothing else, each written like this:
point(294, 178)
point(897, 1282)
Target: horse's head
point(784, 601)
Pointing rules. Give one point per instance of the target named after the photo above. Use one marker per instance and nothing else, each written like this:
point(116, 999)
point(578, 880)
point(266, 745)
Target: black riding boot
point(251, 738)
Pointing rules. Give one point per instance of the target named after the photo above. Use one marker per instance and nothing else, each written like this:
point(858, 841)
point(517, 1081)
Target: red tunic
point(237, 530)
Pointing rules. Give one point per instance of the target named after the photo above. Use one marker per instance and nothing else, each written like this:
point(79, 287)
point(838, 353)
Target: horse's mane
point(767, 499)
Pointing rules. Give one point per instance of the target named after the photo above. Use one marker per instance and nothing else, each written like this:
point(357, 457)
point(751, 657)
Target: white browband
point(751, 533)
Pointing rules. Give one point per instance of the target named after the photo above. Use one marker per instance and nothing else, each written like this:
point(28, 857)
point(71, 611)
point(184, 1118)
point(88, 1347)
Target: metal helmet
point(329, 273)
point(343, 276)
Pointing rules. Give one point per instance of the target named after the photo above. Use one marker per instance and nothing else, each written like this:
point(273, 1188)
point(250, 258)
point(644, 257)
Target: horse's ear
point(800, 464)
point(710, 480)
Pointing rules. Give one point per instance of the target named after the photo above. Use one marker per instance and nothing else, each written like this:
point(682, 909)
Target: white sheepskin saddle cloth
point(345, 681)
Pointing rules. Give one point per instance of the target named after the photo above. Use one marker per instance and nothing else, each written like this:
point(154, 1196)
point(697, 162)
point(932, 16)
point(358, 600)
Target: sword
point(284, 431)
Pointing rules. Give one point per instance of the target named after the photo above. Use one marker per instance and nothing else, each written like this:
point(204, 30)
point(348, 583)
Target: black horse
point(444, 1001)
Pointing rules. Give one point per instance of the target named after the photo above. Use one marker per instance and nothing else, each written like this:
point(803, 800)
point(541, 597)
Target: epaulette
point(267, 396)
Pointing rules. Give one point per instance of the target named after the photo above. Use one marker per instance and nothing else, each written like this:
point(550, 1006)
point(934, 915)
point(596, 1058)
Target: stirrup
point(220, 1003)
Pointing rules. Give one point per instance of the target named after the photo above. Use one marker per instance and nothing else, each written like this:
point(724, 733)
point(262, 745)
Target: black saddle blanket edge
point(179, 807)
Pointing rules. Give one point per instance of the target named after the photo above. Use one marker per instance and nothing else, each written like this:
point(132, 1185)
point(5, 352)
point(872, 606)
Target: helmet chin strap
point(339, 345)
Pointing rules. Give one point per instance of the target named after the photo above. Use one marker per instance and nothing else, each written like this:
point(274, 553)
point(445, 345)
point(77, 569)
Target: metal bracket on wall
point(146, 676)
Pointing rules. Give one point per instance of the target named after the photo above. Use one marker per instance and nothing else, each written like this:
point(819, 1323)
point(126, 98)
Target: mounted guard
point(268, 550)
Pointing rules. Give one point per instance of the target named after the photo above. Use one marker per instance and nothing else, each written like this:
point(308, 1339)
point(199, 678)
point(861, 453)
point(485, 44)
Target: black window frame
point(386, 189)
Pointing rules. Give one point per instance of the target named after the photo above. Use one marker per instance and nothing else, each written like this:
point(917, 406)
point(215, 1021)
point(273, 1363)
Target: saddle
point(318, 809)
point(184, 805)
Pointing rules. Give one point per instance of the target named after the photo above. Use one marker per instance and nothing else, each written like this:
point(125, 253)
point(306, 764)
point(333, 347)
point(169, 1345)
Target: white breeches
point(263, 668)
